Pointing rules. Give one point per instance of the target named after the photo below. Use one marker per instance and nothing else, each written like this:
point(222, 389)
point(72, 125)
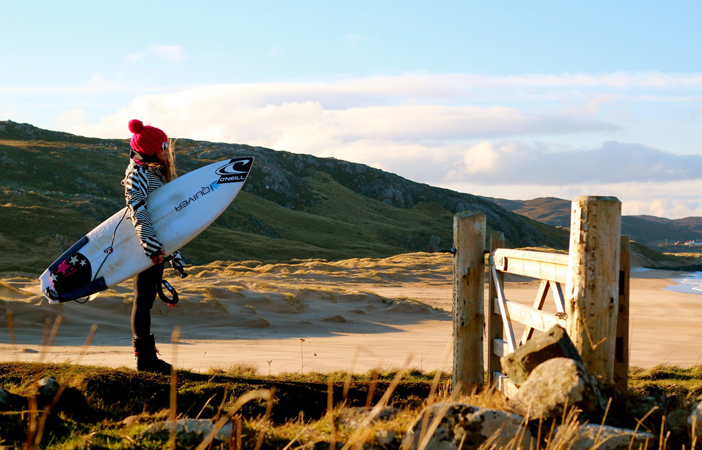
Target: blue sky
point(506, 99)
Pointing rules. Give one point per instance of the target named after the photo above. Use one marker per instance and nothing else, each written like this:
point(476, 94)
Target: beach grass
point(100, 407)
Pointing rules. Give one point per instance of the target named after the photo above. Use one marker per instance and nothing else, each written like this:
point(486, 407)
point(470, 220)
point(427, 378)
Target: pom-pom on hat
point(147, 140)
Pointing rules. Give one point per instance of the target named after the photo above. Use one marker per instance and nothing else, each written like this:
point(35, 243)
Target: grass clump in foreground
point(111, 408)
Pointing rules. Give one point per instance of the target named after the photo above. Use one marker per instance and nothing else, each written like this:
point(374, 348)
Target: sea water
point(689, 283)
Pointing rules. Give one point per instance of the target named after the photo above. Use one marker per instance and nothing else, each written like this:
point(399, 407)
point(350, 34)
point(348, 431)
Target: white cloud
point(612, 162)
point(276, 113)
point(74, 118)
point(466, 132)
point(171, 53)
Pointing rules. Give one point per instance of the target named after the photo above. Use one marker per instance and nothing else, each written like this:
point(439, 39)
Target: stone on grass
point(676, 423)
point(555, 343)
point(4, 399)
point(354, 417)
point(694, 420)
point(586, 437)
point(48, 387)
point(189, 430)
point(557, 385)
point(458, 425)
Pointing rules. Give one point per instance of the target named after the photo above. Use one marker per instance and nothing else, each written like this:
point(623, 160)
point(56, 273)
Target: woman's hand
point(158, 258)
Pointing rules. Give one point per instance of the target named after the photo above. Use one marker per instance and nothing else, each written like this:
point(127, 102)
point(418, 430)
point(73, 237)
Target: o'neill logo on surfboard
point(234, 171)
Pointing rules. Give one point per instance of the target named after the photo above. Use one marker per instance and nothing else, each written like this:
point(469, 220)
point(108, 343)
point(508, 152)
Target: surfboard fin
point(93, 296)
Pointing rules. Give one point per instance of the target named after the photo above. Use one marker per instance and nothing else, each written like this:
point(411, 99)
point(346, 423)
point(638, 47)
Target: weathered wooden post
point(495, 328)
point(592, 284)
point(468, 297)
point(621, 356)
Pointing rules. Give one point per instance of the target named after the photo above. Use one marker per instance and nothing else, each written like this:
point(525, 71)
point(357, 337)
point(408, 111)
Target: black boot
point(146, 355)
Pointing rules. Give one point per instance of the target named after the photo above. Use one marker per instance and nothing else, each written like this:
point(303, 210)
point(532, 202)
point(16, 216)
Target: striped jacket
point(139, 181)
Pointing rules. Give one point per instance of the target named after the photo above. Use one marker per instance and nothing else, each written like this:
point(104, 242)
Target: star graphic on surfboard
point(62, 268)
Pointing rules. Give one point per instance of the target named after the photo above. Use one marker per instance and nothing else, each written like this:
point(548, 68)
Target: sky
point(504, 99)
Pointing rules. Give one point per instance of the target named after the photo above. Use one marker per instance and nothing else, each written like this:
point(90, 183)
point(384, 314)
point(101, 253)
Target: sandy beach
point(312, 316)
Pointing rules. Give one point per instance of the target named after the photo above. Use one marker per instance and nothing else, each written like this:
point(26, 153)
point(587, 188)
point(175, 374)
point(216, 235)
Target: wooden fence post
point(621, 360)
point(495, 329)
point(592, 285)
point(468, 297)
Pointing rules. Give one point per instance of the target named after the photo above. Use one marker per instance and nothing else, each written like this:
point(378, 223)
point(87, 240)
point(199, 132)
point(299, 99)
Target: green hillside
point(55, 187)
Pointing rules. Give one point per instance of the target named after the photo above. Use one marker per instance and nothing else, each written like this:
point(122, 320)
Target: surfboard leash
point(109, 251)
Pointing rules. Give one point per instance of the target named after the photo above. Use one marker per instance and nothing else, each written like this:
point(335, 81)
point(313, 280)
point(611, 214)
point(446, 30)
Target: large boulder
point(557, 385)
point(450, 426)
point(590, 436)
point(554, 343)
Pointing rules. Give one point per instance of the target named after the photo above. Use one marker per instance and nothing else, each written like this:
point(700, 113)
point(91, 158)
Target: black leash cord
point(108, 250)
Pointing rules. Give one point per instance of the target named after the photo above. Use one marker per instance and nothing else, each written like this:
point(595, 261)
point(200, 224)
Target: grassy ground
point(100, 408)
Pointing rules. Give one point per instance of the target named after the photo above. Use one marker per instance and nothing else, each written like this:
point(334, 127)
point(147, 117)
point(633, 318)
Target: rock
point(585, 437)
point(130, 420)
point(676, 423)
point(468, 427)
point(393, 196)
point(651, 407)
point(4, 399)
point(189, 430)
point(434, 244)
point(461, 207)
point(555, 343)
point(355, 416)
point(555, 385)
point(48, 387)
point(385, 437)
point(694, 420)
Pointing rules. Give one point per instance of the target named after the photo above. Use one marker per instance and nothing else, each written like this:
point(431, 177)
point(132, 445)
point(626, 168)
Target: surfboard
point(112, 252)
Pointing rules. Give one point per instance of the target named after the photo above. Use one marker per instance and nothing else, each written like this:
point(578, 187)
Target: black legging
point(145, 290)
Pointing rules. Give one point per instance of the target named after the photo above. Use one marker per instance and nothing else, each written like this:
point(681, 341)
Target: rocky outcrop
point(450, 426)
point(282, 177)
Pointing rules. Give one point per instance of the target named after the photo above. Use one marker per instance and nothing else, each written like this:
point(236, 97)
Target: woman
point(151, 165)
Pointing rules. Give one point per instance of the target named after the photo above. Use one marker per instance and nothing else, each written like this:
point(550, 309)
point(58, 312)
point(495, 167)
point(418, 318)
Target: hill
point(55, 187)
point(649, 230)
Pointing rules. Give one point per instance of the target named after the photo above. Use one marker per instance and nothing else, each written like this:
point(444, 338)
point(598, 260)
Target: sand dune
point(311, 315)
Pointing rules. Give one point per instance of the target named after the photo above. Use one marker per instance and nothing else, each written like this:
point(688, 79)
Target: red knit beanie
point(147, 140)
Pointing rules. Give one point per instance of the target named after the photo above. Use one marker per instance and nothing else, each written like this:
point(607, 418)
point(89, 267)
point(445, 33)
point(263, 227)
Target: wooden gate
point(589, 287)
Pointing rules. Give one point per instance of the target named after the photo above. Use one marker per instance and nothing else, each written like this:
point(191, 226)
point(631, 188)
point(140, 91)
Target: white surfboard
point(112, 252)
